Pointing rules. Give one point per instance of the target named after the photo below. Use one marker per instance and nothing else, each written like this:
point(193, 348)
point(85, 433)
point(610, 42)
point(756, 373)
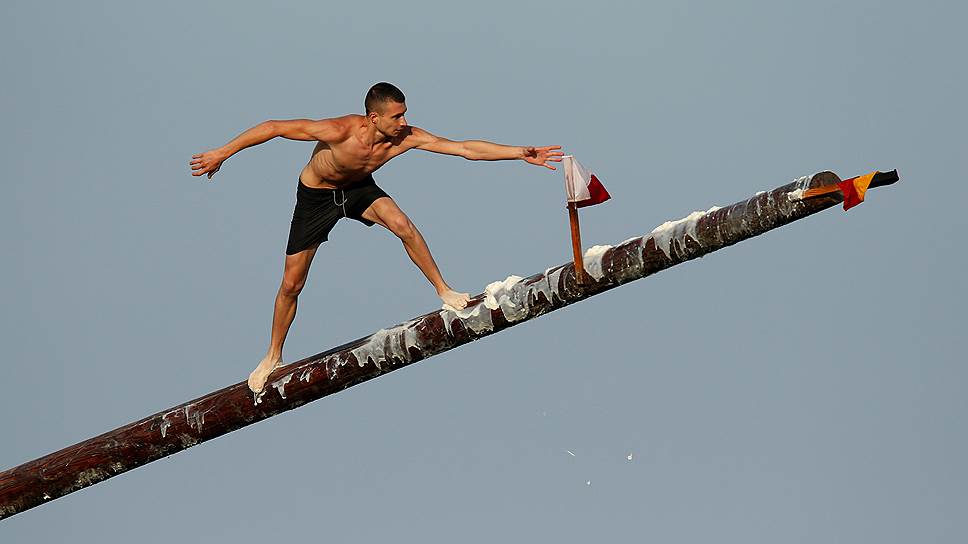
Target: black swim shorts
point(318, 210)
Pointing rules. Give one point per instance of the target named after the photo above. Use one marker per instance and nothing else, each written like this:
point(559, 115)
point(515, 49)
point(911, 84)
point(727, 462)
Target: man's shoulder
point(337, 128)
point(350, 119)
point(345, 122)
point(417, 136)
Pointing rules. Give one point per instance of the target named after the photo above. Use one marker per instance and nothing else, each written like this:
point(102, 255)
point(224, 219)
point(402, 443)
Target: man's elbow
point(469, 153)
point(270, 128)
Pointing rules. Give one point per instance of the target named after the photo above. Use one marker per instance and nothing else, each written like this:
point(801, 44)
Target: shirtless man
point(337, 182)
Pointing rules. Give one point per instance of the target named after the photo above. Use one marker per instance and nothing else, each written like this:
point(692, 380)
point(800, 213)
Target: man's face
point(389, 118)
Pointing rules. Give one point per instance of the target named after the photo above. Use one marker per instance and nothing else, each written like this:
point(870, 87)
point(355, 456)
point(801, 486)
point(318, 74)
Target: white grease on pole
point(513, 296)
point(593, 261)
point(164, 425)
point(280, 384)
point(385, 345)
point(676, 231)
point(803, 184)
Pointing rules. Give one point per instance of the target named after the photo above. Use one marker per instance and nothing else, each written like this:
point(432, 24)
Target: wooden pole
point(576, 243)
point(186, 425)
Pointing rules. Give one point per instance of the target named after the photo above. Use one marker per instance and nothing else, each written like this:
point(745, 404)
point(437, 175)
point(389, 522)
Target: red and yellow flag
point(854, 189)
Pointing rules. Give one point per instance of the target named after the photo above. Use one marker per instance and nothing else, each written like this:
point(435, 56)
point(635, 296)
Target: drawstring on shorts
point(340, 204)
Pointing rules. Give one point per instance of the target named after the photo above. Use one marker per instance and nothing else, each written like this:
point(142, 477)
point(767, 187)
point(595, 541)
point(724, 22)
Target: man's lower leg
point(283, 315)
point(419, 253)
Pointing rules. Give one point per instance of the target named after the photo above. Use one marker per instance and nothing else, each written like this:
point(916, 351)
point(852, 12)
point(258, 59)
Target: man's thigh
point(383, 211)
point(297, 264)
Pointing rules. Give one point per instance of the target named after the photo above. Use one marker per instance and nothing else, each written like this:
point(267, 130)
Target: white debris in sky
point(570, 453)
point(629, 457)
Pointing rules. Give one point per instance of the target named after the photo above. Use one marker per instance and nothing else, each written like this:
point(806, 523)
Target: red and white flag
point(582, 186)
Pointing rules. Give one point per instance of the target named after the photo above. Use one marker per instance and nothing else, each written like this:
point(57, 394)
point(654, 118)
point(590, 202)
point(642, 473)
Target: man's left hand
point(541, 156)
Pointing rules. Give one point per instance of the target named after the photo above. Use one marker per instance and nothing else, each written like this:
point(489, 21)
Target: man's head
point(385, 108)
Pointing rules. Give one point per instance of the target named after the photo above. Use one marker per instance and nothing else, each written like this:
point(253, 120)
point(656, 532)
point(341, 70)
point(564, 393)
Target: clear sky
point(803, 386)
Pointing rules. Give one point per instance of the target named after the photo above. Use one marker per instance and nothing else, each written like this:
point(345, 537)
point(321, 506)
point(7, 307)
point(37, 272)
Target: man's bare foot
point(457, 301)
point(258, 377)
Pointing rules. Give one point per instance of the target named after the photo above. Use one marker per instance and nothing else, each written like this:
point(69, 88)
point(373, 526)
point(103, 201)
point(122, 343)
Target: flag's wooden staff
point(183, 426)
point(576, 243)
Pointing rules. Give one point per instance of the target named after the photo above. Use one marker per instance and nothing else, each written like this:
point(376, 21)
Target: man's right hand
point(207, 163)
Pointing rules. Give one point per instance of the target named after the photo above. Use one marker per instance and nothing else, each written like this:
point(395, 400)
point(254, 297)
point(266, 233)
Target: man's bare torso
point(348, 158)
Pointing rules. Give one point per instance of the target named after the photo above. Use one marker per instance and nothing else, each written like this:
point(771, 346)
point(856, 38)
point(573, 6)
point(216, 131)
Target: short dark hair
point(381, 93)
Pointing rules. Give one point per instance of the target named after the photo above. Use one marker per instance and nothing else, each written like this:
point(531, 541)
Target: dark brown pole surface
point(293, 385)
point(576, 243)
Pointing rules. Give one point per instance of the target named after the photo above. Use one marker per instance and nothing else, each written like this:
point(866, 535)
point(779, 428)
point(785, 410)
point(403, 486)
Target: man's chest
point(357, 157)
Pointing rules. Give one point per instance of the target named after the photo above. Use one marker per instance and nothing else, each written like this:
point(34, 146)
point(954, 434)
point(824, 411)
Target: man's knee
point(293, 280)
point(295, 272)
point(292, 286)
point(400, 225)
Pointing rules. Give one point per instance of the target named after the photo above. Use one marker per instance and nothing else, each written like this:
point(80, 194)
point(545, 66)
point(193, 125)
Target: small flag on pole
point(582, 188)
point(853, 189)
point(581, 185)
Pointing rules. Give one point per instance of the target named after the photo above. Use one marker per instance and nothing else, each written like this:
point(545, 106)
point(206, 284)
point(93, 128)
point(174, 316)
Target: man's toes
point(256, 383)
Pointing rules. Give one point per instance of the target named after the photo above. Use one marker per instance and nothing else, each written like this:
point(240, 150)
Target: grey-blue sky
point(130, 286)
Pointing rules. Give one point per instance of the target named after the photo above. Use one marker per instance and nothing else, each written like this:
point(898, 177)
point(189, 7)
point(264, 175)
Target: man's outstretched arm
point(479, 150)
point(295, 129)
